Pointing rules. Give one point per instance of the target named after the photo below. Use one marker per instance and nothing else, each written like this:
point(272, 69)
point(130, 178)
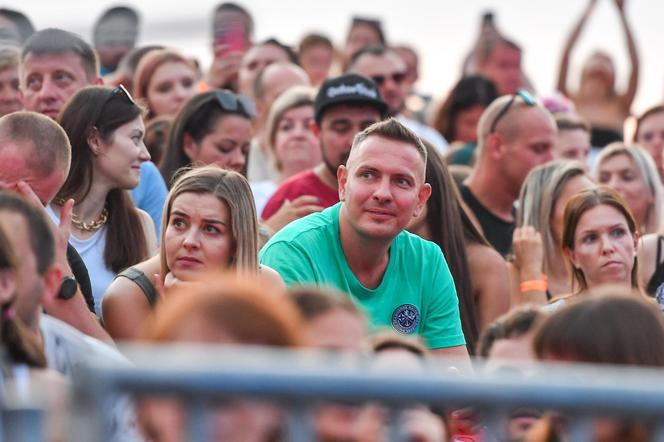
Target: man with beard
point(344, 106)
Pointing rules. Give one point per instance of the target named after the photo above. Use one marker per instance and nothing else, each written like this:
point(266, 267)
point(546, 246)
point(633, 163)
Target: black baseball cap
point(348, 89)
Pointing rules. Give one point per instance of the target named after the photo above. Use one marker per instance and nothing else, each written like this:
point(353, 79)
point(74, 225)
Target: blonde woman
point(209, 224)
point(538, 270)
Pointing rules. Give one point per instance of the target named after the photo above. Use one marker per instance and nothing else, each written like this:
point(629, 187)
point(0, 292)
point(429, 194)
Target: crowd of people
point(294, 197)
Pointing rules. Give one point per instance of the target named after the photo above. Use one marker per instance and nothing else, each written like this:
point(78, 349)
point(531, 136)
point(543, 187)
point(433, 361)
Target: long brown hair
point(99, 108)
point(611, 326)
point(448, 228)
point(576, 207)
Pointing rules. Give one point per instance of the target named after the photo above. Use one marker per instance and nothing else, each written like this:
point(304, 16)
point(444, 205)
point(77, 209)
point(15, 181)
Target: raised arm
point(632, 85)
point(569, 45)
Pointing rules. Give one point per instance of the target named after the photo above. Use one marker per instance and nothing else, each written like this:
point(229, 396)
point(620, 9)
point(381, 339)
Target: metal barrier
point(296, 380)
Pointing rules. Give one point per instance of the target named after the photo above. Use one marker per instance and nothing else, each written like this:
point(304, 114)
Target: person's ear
point(7, 286)
point(571, 256)
point(189, 147)
point(94, 141)
point(52, 281)
point(422, 198)
point(636, 242)
point(494, 145)
point(342, 178)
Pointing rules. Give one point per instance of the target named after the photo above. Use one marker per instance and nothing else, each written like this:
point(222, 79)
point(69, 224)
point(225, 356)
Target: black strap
point(143, 282)
point(660, 239)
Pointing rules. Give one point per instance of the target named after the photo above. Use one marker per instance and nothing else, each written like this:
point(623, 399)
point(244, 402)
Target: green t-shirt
point(416, 294)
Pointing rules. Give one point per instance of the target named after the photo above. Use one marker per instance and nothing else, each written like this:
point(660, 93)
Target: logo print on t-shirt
point(405, 318)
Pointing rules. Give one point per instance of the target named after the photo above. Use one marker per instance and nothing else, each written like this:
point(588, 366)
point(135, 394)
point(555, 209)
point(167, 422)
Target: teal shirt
point(416, 294)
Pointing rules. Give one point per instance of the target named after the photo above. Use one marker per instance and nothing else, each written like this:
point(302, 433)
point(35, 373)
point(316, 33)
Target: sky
point(442, 31)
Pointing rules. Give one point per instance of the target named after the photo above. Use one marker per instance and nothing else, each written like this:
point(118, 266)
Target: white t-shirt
point(425, 132)
point(92, 253)
point(66, 348)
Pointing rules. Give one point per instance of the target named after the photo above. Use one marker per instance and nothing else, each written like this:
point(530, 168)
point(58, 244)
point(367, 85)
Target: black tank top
point(657, 277)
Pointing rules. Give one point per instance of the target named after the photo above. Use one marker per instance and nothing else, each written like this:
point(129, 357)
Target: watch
point(68, 287)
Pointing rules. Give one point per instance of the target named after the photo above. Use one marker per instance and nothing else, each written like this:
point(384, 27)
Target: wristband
point(535, 285)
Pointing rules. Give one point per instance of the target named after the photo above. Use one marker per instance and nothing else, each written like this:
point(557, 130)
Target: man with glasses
point(344, 106)
point(55, 64)
point(515, 134)
point(388, 70)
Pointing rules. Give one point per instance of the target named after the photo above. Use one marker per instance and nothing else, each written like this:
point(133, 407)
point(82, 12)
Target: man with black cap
point(344, 106)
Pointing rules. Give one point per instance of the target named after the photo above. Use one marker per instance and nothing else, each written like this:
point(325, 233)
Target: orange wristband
point(536, 285)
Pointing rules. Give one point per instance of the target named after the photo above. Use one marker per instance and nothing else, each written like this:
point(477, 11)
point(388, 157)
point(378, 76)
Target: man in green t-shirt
point(360, 245)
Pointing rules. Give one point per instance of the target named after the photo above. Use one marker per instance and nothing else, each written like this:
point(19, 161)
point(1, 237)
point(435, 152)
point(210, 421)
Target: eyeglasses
point(524, 95)
point(397, 77)
point(232, 103)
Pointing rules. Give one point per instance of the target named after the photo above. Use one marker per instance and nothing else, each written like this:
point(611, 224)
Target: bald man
point(515, 134)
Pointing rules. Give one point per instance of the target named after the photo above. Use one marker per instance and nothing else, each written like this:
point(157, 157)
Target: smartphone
point(232, 35)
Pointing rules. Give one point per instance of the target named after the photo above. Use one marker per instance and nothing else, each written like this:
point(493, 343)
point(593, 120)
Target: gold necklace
point(91, 226)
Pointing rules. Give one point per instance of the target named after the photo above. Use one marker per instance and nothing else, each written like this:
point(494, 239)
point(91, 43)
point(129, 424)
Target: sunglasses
point(524, 95)
point(122, 92)
point(397, 77)
point(233, 103)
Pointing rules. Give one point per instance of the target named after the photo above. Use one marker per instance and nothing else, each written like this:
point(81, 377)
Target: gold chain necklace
point(91, 226)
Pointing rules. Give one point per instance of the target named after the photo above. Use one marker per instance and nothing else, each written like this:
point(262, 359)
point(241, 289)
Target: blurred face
point(620, 173)
point(119, 160)
point(296, 146)
point(255, 61)
point(465, 125)
point(317, 61)
point(598, 73)
point(651, 136)
point(571, 188)
point(337, 329)
point(14, 167)
point(604, 248)
point(49, 80)
point(338, 127)
point(503, 67)
point(30, 285)
point(388, 71)
point(171, 85)
point(10, 98)
point(227, 145)
point(360, 36)
point(382, 188)
point(530, 146)
point(572, 145)
point(198, 236)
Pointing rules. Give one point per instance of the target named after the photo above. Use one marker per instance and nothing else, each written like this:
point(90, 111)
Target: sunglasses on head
point(121, 91)
point(233, 103)
point(397, 77)
point(524, 95)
